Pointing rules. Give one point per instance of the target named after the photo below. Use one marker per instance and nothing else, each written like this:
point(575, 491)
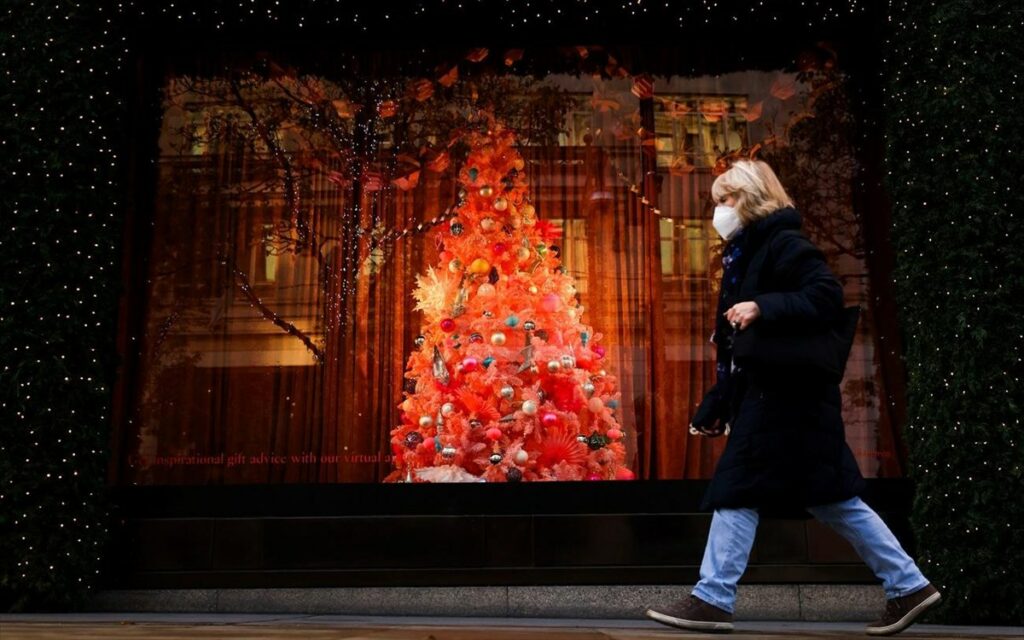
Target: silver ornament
point(554, 366)
point(426, 421)
point(568, 361)
point(447, 409)
point(588, 388)
point(529, 325)
point(448, 452)
point(495, 458)
point(507, 392)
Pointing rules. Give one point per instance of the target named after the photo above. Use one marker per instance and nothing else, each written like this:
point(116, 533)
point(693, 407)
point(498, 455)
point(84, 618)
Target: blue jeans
point(732, 536)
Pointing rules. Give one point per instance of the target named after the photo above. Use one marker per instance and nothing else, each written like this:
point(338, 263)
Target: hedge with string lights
point(954, 131)
point(953, 125)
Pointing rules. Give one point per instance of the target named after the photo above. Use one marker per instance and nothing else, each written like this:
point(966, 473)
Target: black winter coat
point(787, 448)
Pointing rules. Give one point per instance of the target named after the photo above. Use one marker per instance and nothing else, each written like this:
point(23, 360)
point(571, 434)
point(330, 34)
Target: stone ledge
point(802, 602)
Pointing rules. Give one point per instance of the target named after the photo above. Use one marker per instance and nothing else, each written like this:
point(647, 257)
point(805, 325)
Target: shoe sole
point(692, 625)
point(906, 620)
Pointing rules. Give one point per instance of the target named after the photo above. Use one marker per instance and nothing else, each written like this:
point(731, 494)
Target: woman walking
point(787, 452)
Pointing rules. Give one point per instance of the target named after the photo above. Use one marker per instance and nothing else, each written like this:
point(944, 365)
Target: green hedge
point(59, 124)
point(953, 152)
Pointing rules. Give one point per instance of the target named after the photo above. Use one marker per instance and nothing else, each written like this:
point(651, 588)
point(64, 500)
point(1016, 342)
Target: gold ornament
point(486, 191)
point(500, 204)
point(479, 266)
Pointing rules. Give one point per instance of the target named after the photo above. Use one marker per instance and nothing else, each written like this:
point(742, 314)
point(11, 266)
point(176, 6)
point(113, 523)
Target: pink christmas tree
point(510, 383)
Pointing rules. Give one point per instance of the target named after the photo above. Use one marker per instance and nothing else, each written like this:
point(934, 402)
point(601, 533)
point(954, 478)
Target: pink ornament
point(595, 405)
point(470, 364)
point(551, 302)
point(549, 419)
point(614, 434)
point(594, 476)
point(494, 433)
point(599, 350)
point(447, 325)
point(622, 473)
point(499, 248)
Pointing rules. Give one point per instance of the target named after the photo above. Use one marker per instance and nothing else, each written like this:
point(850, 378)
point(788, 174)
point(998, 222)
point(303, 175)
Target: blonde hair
point(756, 188)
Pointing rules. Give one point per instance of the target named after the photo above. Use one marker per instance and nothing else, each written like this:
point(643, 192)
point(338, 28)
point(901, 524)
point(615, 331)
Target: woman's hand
point(741, 314)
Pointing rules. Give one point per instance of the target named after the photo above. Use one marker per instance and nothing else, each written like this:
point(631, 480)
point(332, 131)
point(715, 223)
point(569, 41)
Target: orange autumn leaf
point(477, 55)
point(513, 56)
point(448, 78)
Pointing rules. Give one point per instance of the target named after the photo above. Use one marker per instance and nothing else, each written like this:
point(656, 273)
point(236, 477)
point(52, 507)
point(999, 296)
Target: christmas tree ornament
point(420, 339)
point(529, 325)
point(455, 265)
point(507, 392)
point(550, 419)
point(448, 452)
point(476, 337)
point(473, 174)
point(511, 321)
point(488, 224)
point(499, 248)
point(522, 457)
point(488, 361)
point(493, 276)
point(426, 421)
point(439, 369)
point(581, 438)
point(475, 424)
point(494, 433)
point(486, 191)
point(462, 194)
point(495, 458)
point(533, 288)
point(588, 388)
point(584, 337)
point(486, 290)
point(500, 204)
point(613, 404)
point(554, 366)
point(595, 405)
point(498, 338)
point(413, 439)
point(513, 475)
point(523, 253)
point(456, 228)
point(470, 364)
point(479, 267)
point(615, 434)
point(529, 407)
point(447, 409)
point(568, 361)
point(447, 325)
point(596, 441)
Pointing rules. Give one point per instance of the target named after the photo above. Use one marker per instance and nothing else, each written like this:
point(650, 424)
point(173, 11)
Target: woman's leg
point(725, 557)
point(875, 543)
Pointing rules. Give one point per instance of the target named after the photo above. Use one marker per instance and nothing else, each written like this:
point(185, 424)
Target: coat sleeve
point(811, 293)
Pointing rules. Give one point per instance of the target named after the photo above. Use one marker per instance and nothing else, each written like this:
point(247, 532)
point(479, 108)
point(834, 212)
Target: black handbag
point(820, 352)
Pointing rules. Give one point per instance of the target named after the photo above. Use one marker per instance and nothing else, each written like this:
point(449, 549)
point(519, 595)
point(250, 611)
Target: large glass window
point(294, 212)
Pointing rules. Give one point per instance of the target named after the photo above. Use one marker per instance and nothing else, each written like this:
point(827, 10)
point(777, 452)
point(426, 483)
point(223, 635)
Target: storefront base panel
point(810, 602)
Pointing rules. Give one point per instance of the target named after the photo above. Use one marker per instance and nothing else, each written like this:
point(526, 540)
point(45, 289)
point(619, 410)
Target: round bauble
point(479, 266)
point(500, 204)
point(549, 419)
point(507, 392)
point(615, 434)
point(413, 439)
point(420, 339)
point(448, 452)
point(456, 228)
point(588, 388)
point(470, 364)
point(494, 433)
point(595, 405)
point(486, 290)
point(498, 338)
point(495, 458)
point(529, 407)
point(455, 265)
point(486, 191)
point(522, 457)
point(488, 224)
point(529, 325)
point(426, 421)
point(522, 253)
point(447, 409)
point(447, 325)
point(568, 361)
point(513, 475)
point(554, 366)
point(511, 321)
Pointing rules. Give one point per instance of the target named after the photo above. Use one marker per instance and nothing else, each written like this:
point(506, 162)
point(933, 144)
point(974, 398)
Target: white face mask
point(726, 221)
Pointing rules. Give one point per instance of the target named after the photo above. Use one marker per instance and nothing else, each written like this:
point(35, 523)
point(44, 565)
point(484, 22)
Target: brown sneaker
point(694, 614)
point(900, 612)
